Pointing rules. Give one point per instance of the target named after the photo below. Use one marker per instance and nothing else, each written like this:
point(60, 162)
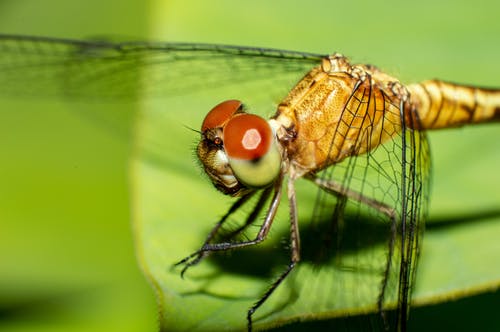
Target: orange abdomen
point(440, 104)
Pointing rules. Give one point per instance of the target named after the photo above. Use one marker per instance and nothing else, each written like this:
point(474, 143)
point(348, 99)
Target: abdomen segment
point(440, 104)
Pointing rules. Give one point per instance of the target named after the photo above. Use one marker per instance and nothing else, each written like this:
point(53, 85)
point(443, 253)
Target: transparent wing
point(373, 244)
point(92, 69)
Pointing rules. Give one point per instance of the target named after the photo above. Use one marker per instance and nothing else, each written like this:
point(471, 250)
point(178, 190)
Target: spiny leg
point(295, 252)
point(253, 215)
point(337, 189)
point(200, 255)
point(250, 219)
point(261, 235)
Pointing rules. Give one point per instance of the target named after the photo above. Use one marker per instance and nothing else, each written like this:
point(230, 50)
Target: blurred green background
point(67, 261)
point(66, 253)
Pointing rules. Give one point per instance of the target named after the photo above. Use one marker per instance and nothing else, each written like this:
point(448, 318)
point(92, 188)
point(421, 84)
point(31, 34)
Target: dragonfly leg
point(250, 219)
point(252, 216)
point(189, 261)
point(295, 253)
point(261, 235)
point(337, 189)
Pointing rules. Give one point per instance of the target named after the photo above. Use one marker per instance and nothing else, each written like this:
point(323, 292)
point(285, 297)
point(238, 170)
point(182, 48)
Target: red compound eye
point(220, 114)
point(247, 136)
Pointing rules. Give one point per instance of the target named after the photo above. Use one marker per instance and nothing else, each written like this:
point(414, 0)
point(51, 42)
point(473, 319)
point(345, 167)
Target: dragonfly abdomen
point(441, 104)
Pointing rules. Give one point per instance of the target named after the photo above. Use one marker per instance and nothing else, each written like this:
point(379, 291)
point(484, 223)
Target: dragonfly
point(355, 132)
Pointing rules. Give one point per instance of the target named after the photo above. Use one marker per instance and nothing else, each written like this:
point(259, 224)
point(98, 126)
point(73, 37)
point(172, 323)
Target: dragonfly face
point(238, 151)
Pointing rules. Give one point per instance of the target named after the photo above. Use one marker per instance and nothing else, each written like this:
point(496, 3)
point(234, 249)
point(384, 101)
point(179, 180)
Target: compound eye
point(251, 148)
point(220, 114)
point(247, 137)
